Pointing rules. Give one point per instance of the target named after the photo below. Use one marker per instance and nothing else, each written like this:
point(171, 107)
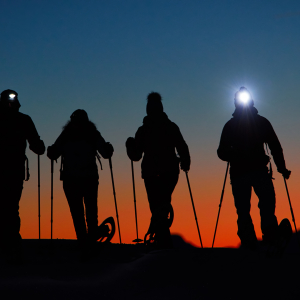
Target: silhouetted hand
point(130, 142)
point(285, 173)
point(109, 149)
point(184, 166)
point(51, 153)
point(38, 147)
point(133, 151)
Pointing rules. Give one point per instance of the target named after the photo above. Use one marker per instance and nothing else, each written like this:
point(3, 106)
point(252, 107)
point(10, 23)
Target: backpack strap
point(27, 176)
point(99, 159)
point(270, 165)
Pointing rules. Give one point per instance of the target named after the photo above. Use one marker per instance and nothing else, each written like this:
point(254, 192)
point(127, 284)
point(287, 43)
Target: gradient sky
point(106, 56)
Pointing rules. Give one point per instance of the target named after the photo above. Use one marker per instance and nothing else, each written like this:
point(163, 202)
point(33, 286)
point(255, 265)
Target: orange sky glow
point(206, 189)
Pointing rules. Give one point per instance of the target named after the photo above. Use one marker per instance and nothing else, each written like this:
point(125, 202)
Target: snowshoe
point(106, 230)
point(149, 238)
point(285, 233)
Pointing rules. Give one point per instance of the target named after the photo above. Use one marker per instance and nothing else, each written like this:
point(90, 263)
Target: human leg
point(152, 186)
point(74, 194)
point(264, 189)
point(169, 182)
point(159, 190)
point(10, 195)
point(91, 207)
point(241, 190)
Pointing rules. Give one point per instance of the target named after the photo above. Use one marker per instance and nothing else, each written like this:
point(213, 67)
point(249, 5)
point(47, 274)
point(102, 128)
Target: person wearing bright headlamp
point(16, 129)
point(242, 145)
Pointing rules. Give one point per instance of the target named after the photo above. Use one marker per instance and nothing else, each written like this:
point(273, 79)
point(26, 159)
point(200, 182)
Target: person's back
point(78, 145)
point(158, 139)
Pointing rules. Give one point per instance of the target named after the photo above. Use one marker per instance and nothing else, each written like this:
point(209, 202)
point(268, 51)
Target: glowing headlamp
point(244, 97)
point(11, 97)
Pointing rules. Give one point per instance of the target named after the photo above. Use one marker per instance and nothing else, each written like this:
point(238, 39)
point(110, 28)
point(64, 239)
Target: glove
point(130, 142)
point(184, 166)
point(51, 153)
point(285, 173)
point(38, 147)
point(109, 149)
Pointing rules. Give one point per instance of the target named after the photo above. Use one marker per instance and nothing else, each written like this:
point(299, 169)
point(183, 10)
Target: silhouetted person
point(78, 145)
point(157, 139)
point(242, 144)
point(16, 129)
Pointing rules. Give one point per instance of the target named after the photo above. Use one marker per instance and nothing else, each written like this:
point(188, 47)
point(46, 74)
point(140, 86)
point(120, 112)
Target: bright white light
point(12, 96)
point(244, 97)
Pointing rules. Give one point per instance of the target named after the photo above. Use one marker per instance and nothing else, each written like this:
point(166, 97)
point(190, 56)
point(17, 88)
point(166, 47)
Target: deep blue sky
point(106, 56)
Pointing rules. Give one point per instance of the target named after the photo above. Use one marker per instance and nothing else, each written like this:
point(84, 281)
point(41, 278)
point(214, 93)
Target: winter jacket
point(78, 149)
point(16, 129)
point(242, 142)
point(157, 139)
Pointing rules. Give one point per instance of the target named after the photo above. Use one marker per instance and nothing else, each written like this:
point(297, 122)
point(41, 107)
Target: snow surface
point(51, 270)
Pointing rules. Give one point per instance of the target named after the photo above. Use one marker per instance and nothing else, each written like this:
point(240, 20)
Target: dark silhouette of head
point(79, 116)
point(243, 99)
point(79, 120)
point(154, 104)
point(9, 100)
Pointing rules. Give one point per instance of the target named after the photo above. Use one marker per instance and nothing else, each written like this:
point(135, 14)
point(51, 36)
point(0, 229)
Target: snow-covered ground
point(51, 270)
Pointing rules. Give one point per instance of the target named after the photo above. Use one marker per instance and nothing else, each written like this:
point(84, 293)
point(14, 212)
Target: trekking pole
point(39, 197)
point(187, 178)
point(137, 240)
point(220, 204)
point(113, 185)
point(292, 213)
point(52, 163)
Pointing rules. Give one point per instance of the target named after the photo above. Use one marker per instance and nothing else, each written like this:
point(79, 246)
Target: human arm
point(183, 150)
point(35, 143)
point(132, 149)
point(134, 146)
point(105, 148)
point(276, 150)
point(225, 149)
point(55, 151)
